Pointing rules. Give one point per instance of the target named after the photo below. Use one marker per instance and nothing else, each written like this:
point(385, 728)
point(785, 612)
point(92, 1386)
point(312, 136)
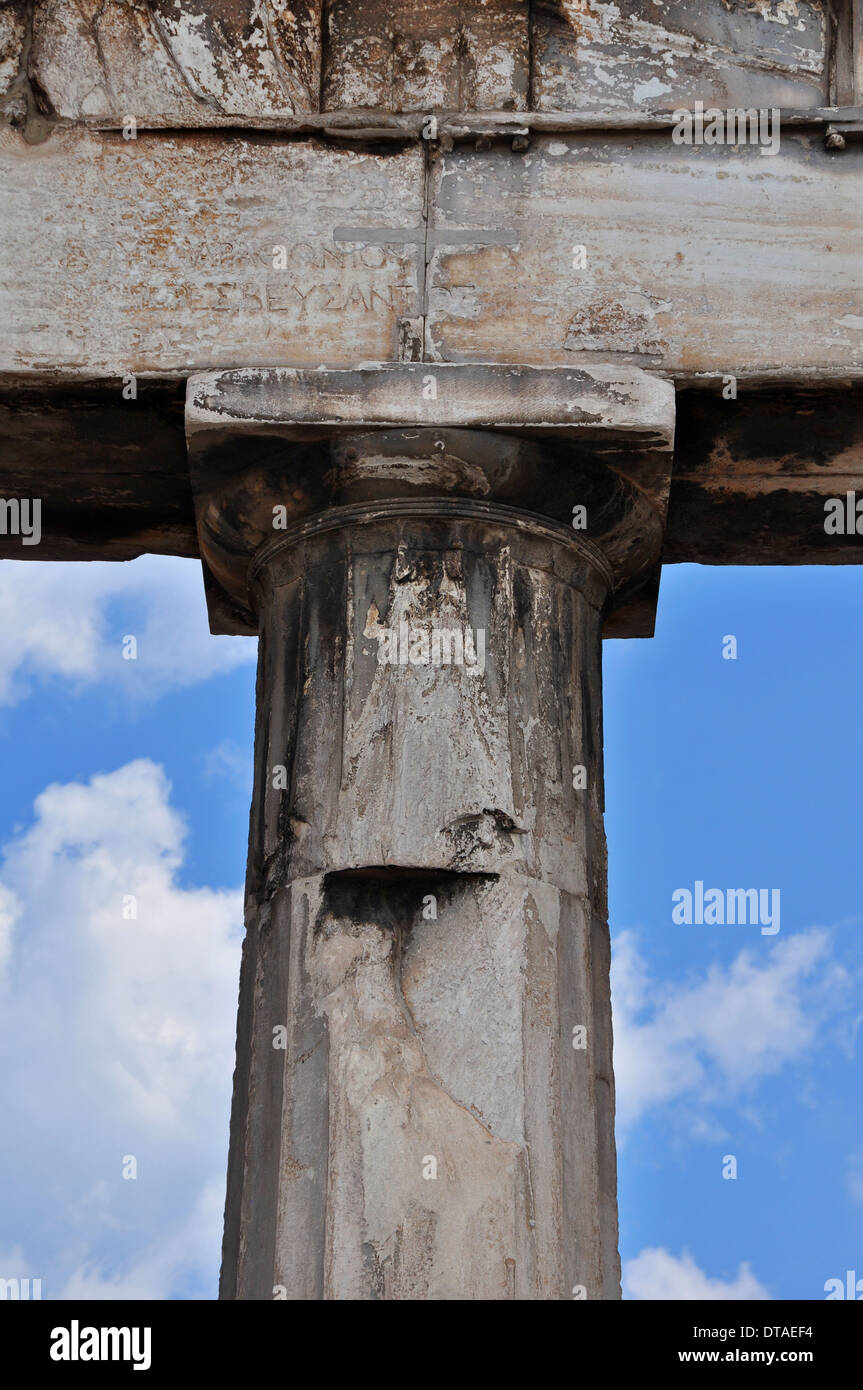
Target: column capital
point(583, 454)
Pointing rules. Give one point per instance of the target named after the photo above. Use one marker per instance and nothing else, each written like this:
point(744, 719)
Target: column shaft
point(426, 917)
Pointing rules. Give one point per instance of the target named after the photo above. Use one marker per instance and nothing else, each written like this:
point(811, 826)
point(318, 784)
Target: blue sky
point(132, 778)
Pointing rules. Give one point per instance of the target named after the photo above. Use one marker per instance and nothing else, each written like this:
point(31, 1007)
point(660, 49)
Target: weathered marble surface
point(419, 55)
point(203, 63)
point(200, 62)
point(698, 260)
point(412, 1037)
point(658, 54)
point(155, 256)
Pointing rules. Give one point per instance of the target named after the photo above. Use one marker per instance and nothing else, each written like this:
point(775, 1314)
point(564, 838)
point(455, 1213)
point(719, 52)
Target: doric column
point(423, 1098)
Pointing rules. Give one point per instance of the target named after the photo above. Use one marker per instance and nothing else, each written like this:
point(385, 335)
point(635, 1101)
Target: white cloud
point(116, 1038)
point(68, 621)
point(14, 1265)
point(657, 1274)
point(713, 1035)
point(164, 1263)
point(9, 912)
